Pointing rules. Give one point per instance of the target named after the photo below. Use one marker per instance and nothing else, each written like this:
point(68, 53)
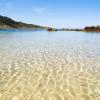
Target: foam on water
point(49, 66)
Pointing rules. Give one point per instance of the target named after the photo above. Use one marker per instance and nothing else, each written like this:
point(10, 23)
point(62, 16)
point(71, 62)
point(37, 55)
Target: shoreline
point(56, 30)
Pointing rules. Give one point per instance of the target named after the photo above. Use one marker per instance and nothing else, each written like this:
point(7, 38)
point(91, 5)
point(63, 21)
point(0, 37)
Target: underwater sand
point(49, 66)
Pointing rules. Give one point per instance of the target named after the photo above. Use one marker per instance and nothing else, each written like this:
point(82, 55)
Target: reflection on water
point(49, 66)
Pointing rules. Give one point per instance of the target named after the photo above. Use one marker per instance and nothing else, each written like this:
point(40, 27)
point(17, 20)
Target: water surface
point(41, 65)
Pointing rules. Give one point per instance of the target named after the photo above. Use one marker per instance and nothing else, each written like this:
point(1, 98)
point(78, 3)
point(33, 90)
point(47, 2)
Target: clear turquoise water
point(41, 65)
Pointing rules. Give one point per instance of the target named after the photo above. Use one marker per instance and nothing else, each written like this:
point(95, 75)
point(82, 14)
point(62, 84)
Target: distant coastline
point(86, 29)
point(8, 23)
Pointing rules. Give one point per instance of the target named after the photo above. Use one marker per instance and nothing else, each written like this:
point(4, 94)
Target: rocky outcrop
point(92, 29)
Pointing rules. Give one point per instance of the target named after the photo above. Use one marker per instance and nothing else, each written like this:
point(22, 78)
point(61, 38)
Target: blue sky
point(56, 13)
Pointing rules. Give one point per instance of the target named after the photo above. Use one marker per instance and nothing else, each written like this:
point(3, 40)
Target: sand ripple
point(48, 71)
point(48, 77)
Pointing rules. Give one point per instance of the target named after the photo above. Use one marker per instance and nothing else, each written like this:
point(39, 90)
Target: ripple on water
point(49, 72)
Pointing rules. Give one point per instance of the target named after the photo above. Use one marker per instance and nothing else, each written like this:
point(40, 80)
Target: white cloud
point(40, 10)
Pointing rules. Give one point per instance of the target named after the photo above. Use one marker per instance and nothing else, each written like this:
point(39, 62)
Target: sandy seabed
point(49, 72)
point(48, 76)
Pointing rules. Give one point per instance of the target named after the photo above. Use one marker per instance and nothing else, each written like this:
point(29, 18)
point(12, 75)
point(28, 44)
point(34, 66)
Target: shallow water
point(40, 65)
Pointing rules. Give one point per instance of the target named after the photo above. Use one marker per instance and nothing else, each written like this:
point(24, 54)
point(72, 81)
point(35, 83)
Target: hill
point(8, 23)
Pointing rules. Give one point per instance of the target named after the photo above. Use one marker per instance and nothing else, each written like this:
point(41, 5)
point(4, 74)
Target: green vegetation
point(51, 29)
point(92, 29)
point(7, 23)
point(63, 29)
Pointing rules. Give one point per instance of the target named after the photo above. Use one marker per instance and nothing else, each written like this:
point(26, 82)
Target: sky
point(55, 13)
